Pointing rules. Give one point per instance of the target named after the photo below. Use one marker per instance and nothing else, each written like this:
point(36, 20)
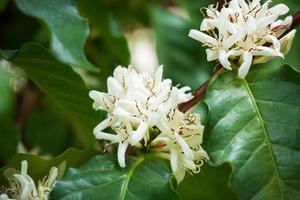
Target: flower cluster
point(22, 186)
point(143, 112)
point(245, 33)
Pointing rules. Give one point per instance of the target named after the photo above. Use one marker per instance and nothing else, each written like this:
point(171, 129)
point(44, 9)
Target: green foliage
point(42, 130)
point(252, 132)
point(143, 178)
point(254, 125)
point(6, 99)
point(9, 139)
point(38, 167)
point(185, 63)
point(62, 85)
point(107, 46)
point(205, 184)
point(68, 30)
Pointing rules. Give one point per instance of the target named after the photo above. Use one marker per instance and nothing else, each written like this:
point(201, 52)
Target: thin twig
point(200, 92)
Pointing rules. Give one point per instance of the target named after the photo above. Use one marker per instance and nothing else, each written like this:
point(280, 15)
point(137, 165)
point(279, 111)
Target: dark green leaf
point(68, 30)
point(6, 98)
point(107, 46)
point(183, 58)
point(255, 125)
point(106, 28)
point(102, 178)
point(9, 139)
point(47, 138)
point(205, 184)
point(38, 167)
point(63, 86)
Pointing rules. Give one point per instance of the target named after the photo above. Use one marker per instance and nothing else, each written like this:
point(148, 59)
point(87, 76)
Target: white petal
point(250, 26)
point(265, 51)
point(287, 41)
point(113, 86)
point(24, 168)
point(103, 125)
point(266, 21)
point(101, 100)
point(180, 173)
point(212, 55)
point(173, 159)
point(202, 37)
point(107, 136)
point(233, 39)
point(185, 148)
point(244, 5)
point(52, 177)
point(279, 9)
point(158, 76)
point(121, 153)
point(274, 41)
point(139, 134)
point(244, 68)
point(223, 58)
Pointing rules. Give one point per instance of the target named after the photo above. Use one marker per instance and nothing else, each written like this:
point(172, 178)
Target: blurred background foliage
point(88, 39)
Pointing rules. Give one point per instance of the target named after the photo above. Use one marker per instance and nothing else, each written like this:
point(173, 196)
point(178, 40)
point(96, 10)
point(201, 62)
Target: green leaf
point(205, 184)
point(6, 99)
point(46, 138)
point(107, 46)
point(63, 86)
point(102, 178)
point(105, 27)
point(68, 30)
point(38, 167)
point(9, 139)
point(186, 62)
point(255, 126)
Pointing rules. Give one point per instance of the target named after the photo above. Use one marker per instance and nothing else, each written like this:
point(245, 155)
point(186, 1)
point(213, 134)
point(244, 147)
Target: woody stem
point(200, 92)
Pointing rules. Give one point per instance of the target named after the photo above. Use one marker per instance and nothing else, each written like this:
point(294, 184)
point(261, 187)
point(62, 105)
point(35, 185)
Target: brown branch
point(200, 92)
point(295, 24)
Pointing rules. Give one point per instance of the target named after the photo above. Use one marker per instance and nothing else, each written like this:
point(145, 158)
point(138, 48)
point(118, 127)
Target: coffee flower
point(22, 186)
point(136, 105)
point(245, 33)
point(180, 141)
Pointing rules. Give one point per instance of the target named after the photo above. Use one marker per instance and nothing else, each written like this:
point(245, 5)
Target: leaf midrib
point(245, 83)
point(128, 177)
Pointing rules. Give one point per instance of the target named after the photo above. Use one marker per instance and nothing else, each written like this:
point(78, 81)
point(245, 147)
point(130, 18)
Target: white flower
point(244, 33)
point(180, 141)
point(22, 186)
point(137, 104)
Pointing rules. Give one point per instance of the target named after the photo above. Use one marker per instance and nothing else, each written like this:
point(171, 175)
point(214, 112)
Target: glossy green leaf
point(102, 178)
point(205, 184)
point(255, 126)
point(68, 30)
point(9, 139)
point(38, 167)
point(62, 85)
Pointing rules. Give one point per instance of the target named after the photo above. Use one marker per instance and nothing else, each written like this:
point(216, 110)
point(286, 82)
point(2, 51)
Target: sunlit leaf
point(254, 125)
point(68, 30)
point(101, 176)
